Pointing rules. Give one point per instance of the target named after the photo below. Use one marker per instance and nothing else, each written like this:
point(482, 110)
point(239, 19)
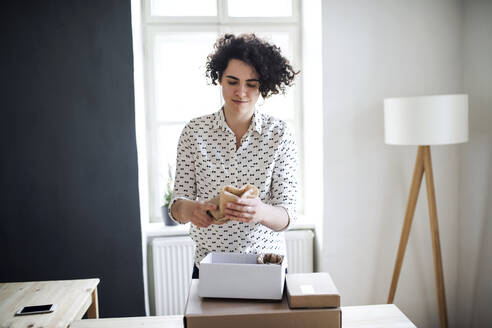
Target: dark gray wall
point(69, 193)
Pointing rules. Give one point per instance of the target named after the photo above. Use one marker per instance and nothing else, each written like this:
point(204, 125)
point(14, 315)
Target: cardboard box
point(311, 290)
point(227, 313)
point(235, 275)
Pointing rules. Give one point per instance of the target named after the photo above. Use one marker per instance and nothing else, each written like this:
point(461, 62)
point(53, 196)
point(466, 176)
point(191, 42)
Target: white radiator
point(172, 259)
point(300, 250)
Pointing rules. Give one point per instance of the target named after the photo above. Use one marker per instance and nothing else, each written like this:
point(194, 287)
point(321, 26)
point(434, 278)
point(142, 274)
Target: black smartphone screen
point(36, 308)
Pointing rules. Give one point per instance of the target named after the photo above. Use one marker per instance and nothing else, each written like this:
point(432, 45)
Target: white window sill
point(158, 229)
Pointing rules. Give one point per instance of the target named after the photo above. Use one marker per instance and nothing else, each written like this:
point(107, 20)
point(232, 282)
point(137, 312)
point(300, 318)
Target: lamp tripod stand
point(423, 165)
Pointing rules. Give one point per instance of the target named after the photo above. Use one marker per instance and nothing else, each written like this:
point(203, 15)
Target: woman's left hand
point(248, 210)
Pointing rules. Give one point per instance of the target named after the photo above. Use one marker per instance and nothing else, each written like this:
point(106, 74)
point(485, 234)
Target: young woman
point(236, 146)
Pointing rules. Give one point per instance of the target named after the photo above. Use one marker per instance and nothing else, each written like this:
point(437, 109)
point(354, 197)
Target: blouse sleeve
point(184, 182)
point(284, 188)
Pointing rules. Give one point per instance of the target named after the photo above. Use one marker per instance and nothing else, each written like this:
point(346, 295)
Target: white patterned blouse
point(207, 160)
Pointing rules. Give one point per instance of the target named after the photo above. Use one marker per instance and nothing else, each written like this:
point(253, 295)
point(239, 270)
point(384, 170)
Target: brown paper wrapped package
point(231, 194)
point(269, 258)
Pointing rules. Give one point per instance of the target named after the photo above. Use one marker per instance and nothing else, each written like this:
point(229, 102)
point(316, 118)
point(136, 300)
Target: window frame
point(153, 25)
point(221, 18)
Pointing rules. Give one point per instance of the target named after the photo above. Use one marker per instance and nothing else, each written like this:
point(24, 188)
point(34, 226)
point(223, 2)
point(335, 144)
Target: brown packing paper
point(311, 290)
point(220, 313)
point(231, 194)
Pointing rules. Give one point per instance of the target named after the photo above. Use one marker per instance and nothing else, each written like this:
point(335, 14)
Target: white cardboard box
point(236, 275)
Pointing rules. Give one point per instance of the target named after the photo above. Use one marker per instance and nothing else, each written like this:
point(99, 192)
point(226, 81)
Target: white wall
point(373, 50)
point(475, 237)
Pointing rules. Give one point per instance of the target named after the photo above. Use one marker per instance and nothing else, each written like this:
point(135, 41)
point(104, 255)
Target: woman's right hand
point(195, 212)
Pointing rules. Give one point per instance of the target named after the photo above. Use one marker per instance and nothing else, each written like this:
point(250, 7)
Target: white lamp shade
point(428, 120)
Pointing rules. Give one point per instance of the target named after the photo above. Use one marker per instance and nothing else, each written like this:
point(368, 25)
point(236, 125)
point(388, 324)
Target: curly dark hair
point(274, 70)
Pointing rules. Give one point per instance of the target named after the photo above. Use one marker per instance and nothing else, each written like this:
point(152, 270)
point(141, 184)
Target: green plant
point(167, 197)
point(169, 190)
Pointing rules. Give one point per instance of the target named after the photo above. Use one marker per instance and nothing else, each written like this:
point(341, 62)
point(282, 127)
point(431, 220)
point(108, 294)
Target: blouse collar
point(256, 122)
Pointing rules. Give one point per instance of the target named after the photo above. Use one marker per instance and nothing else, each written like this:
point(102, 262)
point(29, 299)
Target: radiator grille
point(173, 265)
point(299, 250)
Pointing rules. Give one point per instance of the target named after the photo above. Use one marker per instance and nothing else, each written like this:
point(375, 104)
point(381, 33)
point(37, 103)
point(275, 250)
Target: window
point(178, 36)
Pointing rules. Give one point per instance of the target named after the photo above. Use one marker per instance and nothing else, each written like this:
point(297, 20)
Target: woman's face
point(240, 87)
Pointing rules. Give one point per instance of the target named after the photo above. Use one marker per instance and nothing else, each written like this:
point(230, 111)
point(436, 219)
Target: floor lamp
point(425, 121)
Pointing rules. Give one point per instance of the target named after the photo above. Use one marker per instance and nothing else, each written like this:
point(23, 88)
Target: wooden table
point(73, 298)
point(367, 316)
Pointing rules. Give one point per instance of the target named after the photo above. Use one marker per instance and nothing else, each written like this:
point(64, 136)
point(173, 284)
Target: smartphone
point(36, 309)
